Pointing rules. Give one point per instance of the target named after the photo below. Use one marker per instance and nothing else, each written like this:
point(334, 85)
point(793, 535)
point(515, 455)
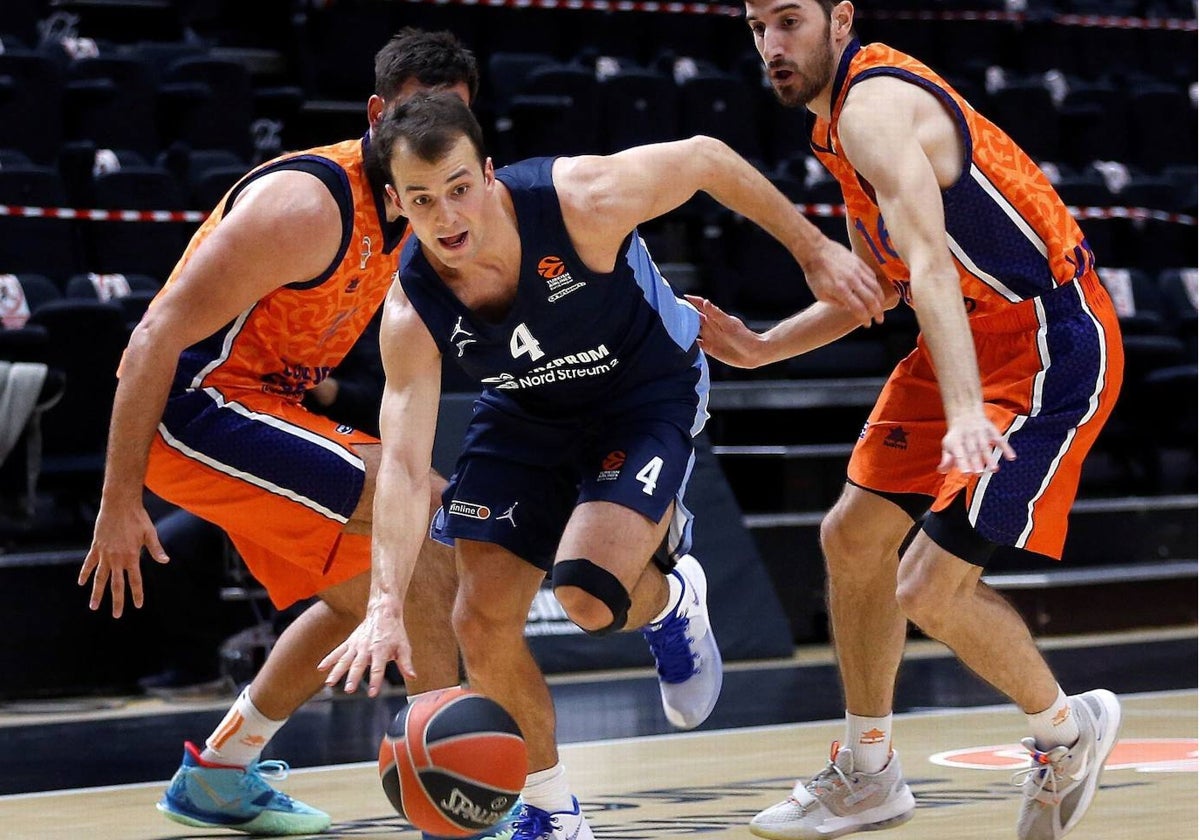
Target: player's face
point(793, 38)
point(443, 200)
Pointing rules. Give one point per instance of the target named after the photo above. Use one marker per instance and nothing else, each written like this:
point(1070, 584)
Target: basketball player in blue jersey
point(535, 280)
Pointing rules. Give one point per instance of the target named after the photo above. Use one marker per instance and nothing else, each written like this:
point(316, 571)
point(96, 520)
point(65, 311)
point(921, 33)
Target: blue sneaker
point(502, 830)
point(536, 824)
point(204, 795)
point(688, 659)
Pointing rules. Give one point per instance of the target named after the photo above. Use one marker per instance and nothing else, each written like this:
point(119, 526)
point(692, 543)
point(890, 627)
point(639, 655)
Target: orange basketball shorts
point(280, 480)
point(1051, 369)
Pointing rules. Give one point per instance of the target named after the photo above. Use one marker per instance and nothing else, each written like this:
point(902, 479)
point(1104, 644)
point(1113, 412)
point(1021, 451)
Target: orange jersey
point(294, 336)
point(1011, 236)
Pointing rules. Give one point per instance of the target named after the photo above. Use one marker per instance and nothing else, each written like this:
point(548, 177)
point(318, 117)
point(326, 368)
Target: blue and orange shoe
point(204, 795)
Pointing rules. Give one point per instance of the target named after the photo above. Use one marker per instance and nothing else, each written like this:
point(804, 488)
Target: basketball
point(452, 762)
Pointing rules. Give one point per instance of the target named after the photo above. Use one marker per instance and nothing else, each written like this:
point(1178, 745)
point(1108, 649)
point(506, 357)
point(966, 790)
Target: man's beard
point(803, 87)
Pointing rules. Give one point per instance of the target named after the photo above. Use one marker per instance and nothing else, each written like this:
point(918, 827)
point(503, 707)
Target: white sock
point(1056, 725)
point(548, 789)
point(870, 740)
point(239, 738)
point(674, 596)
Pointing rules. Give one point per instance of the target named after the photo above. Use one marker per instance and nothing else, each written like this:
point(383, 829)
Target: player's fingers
point(947, 463)
point(99, 584)
point(358, 667)
point(155, 548)
point(89, 564)
point(116, 587)
point(378, 669)
point(135, 587)
point(330, 660)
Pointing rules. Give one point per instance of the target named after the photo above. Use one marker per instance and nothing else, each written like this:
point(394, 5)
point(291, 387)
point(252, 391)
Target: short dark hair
point(432, 58)
point(429, 124)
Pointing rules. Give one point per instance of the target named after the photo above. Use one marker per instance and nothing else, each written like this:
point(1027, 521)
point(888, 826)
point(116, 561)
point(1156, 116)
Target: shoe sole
point(263, 825)
point(891, 822)
point(1113, 707)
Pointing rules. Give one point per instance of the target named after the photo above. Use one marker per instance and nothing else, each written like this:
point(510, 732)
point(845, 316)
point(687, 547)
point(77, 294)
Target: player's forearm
point(736, 184)
point(141, 396)
point(937, 300)
point(400, 519)
point(814, 327)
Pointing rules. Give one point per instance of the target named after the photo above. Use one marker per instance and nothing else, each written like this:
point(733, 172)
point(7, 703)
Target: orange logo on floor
point(1146, 755)
point(550, 267)
point(872, 736)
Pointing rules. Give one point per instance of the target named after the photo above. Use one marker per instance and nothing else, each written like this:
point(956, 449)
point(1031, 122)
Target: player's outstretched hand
point(973, 445)
point(378, 640)
point(836, 275)
point(115, 555)
point(724, 336)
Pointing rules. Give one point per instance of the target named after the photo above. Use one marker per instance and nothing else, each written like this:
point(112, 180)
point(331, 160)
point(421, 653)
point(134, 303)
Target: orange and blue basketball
point(452, 762)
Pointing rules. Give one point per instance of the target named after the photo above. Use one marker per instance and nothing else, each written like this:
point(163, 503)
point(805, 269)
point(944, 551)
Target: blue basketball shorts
point(520, 477)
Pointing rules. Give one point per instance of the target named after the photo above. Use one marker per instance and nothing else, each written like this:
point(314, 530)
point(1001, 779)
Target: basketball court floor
point(93, 769)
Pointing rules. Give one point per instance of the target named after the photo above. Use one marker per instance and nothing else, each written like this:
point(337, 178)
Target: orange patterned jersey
point(1011, 236)
point(291, 339)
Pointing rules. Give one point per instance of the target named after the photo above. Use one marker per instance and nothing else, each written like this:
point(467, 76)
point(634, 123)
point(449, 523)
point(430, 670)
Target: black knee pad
point(598, 582)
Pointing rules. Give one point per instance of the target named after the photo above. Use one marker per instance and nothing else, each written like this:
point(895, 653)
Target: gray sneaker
point(839, 801)
point(1059, 785)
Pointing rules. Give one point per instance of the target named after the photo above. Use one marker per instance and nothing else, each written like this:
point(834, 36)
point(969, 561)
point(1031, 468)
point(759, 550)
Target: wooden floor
point(709, 784)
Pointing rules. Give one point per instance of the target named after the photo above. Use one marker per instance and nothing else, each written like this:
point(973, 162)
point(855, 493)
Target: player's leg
point(862, 785)
point(496, 589)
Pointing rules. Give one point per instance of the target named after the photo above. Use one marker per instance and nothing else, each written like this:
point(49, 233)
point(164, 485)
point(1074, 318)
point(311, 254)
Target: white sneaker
point(536, 824)
point(1059, 785)
point(839, 801)
point(687, 656)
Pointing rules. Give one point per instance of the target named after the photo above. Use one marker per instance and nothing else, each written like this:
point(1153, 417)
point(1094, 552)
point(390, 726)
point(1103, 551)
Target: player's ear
point(489, 172)
point(375, 107)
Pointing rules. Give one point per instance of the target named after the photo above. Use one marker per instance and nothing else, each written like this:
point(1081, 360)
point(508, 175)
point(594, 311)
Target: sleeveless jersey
point(573, 338)
point(1011, 236)
point(291, 339)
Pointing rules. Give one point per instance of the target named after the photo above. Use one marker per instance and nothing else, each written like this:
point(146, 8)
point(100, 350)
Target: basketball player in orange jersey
point(271, 293)
point(986, 423)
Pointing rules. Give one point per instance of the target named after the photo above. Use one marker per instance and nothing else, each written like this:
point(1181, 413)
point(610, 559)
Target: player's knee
point(481, 627)
point(921, 601)
point(591, 595)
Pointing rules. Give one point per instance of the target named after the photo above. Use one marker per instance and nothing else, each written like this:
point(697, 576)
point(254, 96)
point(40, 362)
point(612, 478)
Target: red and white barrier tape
point(103, 215)
point(722, 10)
point(814, 210)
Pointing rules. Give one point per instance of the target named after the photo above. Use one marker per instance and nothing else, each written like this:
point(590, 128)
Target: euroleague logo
point(610, 467)
point(559, 281)
point(550, 267)
point(1145, 755)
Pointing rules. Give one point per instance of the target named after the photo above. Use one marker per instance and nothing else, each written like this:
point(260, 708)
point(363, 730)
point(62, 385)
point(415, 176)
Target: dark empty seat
point(31, 95)
point(137, 247)
point(638, 107)
point(1162, 123)
point(1094, 124)
point(41, 245)
point(86, 339)
point(112, 103)
point(721, 105)
point(208, 103)
point(576, 128)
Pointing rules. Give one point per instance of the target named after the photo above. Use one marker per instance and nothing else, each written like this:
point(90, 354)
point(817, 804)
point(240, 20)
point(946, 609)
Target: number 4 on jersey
point(648, 475)
point(522, 341)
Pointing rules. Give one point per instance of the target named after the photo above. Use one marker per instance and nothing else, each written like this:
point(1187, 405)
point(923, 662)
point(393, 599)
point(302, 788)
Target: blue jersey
point(573, 340)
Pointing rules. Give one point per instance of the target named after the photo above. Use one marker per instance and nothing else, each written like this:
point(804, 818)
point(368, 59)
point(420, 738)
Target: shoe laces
point(830, 777)
point(257, 774)
point(534, 824)
point(671, 646)
point(1045, 769)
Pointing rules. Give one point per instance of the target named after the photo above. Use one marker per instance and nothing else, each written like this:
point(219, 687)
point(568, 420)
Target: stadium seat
point(576, 131)
point(1025, 110)
point(721, 105)
point(31, 96)
point(137, 247)
point(1162, 122)
point(40, 245)
point(209, 104)
point(638, 106)
point(111, 102)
